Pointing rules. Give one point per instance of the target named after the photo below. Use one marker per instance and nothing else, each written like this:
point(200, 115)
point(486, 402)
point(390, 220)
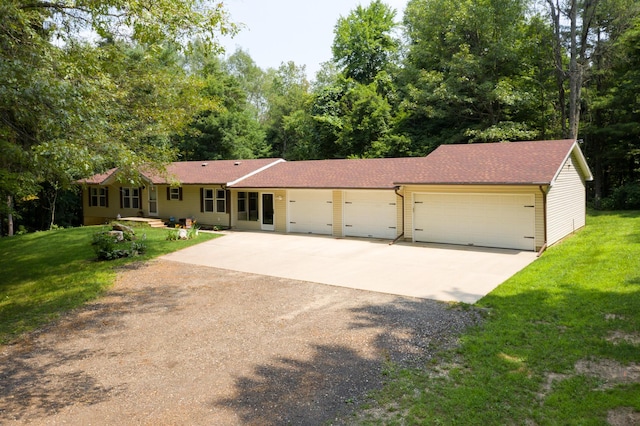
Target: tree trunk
point(575, 74)
point(9, 216)
point(52, 203)
point(554, 9)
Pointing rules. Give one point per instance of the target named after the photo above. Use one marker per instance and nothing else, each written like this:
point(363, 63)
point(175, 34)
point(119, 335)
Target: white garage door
point(311, 211)
point(488, 220)
point(370, 214)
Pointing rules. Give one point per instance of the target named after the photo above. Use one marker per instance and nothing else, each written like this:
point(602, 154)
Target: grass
point(560, 344)
point(47, 273)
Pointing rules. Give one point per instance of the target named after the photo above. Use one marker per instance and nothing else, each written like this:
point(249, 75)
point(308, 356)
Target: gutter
point(396, 189)
point(544, 214)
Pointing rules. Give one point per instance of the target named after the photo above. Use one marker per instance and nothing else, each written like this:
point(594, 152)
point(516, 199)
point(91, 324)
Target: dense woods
point(85, 86)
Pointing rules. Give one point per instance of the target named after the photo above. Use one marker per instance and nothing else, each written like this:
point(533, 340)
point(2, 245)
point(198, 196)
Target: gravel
point(179, 344)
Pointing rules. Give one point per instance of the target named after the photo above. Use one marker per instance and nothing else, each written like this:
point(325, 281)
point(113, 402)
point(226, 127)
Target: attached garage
point(486, 220)
point(310, 211)
point(370, 214)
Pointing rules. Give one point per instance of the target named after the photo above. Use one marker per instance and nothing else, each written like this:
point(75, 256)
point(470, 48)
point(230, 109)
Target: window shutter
point(121, 198)
point(201, 200)
point(227, 201)
point(168, 193)
point(180, 193)
point(106, 197)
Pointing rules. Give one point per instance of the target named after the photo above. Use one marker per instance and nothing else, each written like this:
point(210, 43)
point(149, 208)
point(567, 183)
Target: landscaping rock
point(119, 235)
point(123, 228)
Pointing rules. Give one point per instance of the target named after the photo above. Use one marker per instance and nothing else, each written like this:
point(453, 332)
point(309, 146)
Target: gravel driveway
point(182, 344)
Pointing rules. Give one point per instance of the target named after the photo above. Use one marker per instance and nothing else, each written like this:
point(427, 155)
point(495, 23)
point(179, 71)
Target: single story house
point(517, 195)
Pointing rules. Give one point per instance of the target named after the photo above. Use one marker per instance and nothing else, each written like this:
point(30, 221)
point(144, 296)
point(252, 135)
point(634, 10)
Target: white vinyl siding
point(486, 220)
point(566, 203)
point(370, 214)
point(310, 211)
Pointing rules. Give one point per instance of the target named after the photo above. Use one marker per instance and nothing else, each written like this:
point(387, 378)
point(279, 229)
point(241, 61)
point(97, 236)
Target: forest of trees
point(151, 85)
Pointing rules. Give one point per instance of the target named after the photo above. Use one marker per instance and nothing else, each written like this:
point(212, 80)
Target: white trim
point(582, 161)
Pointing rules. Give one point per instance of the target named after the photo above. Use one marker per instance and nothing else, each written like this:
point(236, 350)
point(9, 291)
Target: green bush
point(107, 247)
point(624, 197)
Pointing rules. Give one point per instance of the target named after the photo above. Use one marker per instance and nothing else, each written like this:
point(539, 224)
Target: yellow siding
point(280, 205)
point(338, 215)
point(399, 215)
point(410, 190)
point(566, 203)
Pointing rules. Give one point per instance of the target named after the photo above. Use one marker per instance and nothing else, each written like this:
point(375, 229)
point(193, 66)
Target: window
point(247, 206)
point(208, 200)
point(98, 197)
point(130, 198)
point(242, 206)
point(253, 206)
point(174, 193)
point(221, 201)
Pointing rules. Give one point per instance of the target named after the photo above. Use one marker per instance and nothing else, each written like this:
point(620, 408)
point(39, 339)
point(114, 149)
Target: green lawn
point(560, 344)
point(46, 273)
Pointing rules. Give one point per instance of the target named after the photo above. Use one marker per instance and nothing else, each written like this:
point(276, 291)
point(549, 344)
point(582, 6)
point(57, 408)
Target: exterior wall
point(400, 213)
point(189, 206)
point(410, 190)
point(95, 215)
point(566, 203)
point(279, 207)
point(338, 216)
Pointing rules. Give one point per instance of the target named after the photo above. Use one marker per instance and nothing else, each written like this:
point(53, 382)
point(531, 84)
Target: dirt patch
point(617, 337)
point(623, 416)
point(610, 372)
point(182, 344)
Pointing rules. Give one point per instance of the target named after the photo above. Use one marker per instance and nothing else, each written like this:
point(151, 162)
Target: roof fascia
point(255, 172)
point(582, 163)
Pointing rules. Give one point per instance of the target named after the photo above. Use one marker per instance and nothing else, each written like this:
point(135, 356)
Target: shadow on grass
point(38, 377)
point(336, 379)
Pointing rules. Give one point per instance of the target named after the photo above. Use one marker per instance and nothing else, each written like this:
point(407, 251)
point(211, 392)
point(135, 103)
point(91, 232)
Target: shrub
point(624, 197)
point(107, 247)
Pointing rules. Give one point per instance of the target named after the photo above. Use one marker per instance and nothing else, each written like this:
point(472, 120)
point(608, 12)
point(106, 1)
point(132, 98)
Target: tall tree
point(58, 94)
point(466, 76)
point(580, 15)
point(364, 42)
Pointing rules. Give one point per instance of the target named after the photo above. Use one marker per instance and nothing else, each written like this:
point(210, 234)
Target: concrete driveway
point(429, 271)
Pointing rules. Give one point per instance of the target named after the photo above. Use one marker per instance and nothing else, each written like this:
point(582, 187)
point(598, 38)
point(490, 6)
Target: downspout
point(544, 217)
point(396, 189)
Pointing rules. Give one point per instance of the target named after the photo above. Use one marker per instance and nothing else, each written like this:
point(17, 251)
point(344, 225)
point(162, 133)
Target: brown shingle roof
point(378, 173)
point(99, 178)
point(495, 163)
point(212, 172)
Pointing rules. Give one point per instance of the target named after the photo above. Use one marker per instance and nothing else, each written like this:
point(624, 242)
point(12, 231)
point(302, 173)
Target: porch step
point(152, 222)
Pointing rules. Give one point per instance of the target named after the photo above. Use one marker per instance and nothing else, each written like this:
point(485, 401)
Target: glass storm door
point(268, 223)
point(153, 201)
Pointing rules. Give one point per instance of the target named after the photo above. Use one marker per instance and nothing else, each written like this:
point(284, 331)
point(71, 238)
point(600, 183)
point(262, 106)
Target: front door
point(153, 201)
point(268, 223)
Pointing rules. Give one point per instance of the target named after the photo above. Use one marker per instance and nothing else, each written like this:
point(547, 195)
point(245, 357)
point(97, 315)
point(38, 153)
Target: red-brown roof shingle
point(493, 163)
point(377, 173)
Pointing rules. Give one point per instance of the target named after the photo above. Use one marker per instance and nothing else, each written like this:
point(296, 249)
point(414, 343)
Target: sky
point(277, 31)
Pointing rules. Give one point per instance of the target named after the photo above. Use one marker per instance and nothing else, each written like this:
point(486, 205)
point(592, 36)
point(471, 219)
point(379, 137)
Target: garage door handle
point(392, 227)
point(348, 202)
point(293, 223)
point(530, 206)
point(418, 229)
point(348, 226)
point(530, 238)
point(418, 202)
point(329, 202)
point(392, 204)
point(292, 201)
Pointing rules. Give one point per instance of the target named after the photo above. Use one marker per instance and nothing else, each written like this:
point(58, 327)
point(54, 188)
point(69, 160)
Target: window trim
point(97, 194)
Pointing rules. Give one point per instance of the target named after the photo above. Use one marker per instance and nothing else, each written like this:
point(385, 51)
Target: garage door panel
point(310, 212)
point(491, 220)
point(370, 214)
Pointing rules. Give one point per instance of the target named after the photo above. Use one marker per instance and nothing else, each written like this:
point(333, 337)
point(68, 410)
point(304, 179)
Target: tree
point(580, 15)
point(363, 44)
point(63, 95)
point(466, 77)
point(287, 91)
